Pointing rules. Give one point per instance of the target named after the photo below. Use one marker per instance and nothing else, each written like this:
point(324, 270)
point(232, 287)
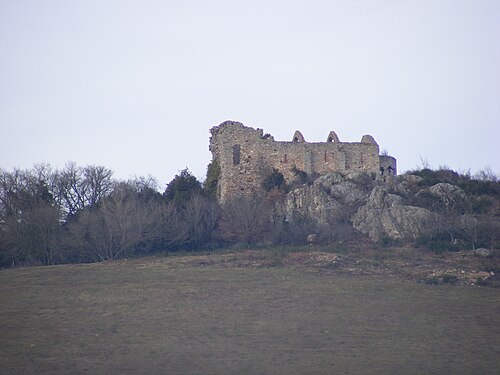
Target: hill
point(81, 215)
point(230, 313)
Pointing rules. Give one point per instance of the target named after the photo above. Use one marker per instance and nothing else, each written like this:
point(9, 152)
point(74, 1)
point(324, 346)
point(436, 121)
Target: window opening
point(236, 154)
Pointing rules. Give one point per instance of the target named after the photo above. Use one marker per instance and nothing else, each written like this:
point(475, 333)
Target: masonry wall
point(386, 161)
point(246, 156)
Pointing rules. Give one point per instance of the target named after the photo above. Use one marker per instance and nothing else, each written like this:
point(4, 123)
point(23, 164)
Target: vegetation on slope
point(81, 214)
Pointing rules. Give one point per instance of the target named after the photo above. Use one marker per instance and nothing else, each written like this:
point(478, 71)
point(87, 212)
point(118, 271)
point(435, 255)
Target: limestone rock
point(374, 207)
point(328, 197)
point(448, 194)
point(482, 252)
point(360, 178)
point(329, 180)
point(385, 215)
point(405, 184)
point(310, 201)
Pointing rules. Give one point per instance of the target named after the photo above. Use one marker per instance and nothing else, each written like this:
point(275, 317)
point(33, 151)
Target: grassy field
point(161, 316)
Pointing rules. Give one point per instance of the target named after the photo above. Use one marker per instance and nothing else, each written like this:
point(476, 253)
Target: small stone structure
point(246, 156)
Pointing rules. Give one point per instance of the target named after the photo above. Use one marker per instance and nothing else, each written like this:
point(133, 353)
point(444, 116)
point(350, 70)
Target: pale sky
point(135, 86)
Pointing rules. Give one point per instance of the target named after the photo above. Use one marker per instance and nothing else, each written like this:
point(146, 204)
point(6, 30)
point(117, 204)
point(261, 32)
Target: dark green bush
point(387, 241)
point(431, 177)
point(481, 282)
point(433, 280)
point(476, 187)
point(213, 175)
point(274, 180)
point(182, 187)
point(300, 174)
point(450, 279)
point(438, 244)
point(482, 204)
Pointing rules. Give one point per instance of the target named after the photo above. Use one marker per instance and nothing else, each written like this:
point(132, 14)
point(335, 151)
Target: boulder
point(359, 178)
point(406, 184)
point(385, 215)
point(310, 201)
point(482, 252)
point(448, 194)
point(328, 197)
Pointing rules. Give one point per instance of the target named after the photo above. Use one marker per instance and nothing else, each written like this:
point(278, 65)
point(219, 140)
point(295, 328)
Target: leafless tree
point(201, 216)
point(246, 219)
point(81, 187)
point(124, 224)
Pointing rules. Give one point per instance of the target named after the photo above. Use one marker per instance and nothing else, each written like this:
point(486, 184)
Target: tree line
point(82, 214)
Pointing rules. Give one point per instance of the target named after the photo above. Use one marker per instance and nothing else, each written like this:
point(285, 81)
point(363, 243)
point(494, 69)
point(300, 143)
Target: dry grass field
point(199, 315)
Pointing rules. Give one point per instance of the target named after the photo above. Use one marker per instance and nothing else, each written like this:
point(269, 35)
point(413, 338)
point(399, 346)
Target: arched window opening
point(332, 137)
point(298, 137)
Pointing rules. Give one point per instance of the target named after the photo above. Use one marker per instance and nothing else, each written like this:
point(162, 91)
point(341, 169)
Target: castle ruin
point(246, 156)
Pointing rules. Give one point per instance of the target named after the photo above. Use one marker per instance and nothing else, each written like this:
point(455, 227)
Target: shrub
point(433, 280)
point(246, 220)
point(387, 241)
point(300, 174)
point(430, 177)
point(182, 187)
point(274, 181)
point(482, 205)
point(481, 282)
point(438, 244)
point(450, 279)
point(476, 187)
point(213, 174)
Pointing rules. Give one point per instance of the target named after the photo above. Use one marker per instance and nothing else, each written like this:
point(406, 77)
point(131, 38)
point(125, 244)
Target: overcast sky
point(136, 85)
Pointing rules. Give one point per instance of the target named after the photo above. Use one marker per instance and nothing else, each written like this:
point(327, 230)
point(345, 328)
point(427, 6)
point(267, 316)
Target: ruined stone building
point(246, 156)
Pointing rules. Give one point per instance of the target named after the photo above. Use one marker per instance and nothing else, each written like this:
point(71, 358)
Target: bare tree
point(71, 188)
point(201, 216)
point(99, 183)
point(246, 219)
point(79, 187)
point(125, 223)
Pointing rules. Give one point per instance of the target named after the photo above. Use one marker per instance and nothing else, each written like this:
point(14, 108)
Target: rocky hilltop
point(404, 207)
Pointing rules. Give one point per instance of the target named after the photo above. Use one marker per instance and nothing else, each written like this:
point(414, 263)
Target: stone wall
point(245, 156)
point(386, 161)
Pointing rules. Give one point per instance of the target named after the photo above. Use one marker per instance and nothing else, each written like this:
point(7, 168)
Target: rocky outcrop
point(447, 195)
point(374, 207)
point(405, 184)
point(330, 196)
point(482, 252)
point(384, 214)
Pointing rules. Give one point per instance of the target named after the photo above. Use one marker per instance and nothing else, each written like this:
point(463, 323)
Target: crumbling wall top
point(368, 139)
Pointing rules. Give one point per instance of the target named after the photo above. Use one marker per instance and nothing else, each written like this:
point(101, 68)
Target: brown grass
point(191, 315)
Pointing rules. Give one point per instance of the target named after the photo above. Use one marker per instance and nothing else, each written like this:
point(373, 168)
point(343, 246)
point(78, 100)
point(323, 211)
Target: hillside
point(236, 313)
point(82, 214)
point(441, 210)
